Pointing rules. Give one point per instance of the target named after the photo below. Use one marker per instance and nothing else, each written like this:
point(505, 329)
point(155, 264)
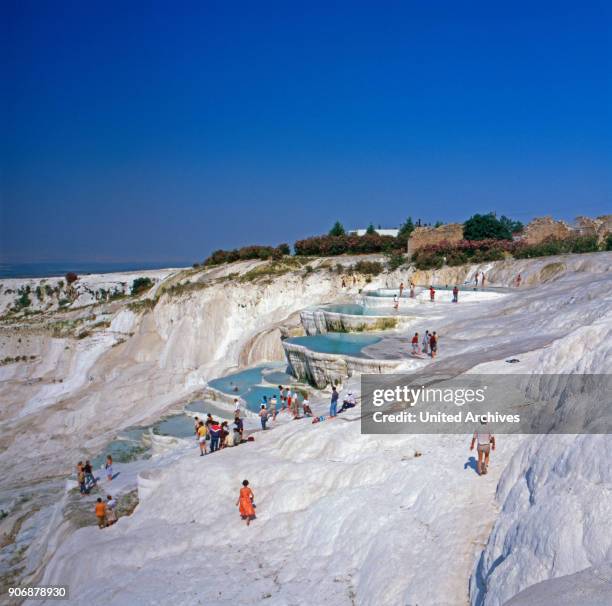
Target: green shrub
point(140, 285)
point(370, 268)
point(608, 244)
point(427, 260)
point(395, 260)
point(23, 301)
point(482, 227)
point(584, 244)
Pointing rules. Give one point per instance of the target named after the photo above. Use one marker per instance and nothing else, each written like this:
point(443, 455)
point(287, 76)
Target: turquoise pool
point(349, 344)
point(240, 382)
point(355, 309)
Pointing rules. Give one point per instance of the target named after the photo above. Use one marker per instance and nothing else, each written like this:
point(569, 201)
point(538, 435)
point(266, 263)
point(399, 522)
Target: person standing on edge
point(245, 503)
point(432, 294)
point(482, 275)
point(401, 289)
point(334, 402)
point(263, 416)
point(236, 405)
point(201, 435)
point(455, 294)
point(425, 349)
point(433, 344)
point(415, 343)
point(395, 302)
point(273, 406)
point(518, 280)
point(411, 289)
point(101, 513)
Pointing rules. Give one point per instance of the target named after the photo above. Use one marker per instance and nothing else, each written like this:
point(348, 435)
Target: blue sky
point(151, 131)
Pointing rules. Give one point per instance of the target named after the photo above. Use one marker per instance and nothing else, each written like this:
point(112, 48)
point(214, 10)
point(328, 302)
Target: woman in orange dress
point(245, 502)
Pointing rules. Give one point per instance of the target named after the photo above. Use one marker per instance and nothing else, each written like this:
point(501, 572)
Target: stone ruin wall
point(425, 236)
point(535, 232)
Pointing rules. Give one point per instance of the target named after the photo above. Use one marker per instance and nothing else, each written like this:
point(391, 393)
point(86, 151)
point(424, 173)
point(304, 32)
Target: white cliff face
point(85, 390)
point(342, 517)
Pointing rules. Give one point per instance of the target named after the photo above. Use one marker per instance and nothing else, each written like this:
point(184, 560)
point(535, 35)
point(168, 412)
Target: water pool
point(278, 378)
point(129, 445)
point(388, 292)
point(176, 426)
point(239, 382)
point(355, 309)
point(349, 344)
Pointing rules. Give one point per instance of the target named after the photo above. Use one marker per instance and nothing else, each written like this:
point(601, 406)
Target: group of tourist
point(287, 400)
point(348, 402)
point(428, 345)
point(218, 434)
point(106, 511)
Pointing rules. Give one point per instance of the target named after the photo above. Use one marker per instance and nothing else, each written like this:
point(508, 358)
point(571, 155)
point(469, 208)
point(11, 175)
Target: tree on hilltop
point(337, 229)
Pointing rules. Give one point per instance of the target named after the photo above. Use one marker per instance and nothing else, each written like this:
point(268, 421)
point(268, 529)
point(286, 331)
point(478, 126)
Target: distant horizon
point(152, 130)
point(185, 262)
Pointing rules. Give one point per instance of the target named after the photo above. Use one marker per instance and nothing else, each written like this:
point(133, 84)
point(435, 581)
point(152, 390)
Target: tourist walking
point(274, 406)
point(432, 294)
point(401, 289)
point(395, 302)
point(236, 405)
point(482, 276)
point(518, 280)
point(334, 402)
point(455, 294)
point(245, 503)
point(486, 443)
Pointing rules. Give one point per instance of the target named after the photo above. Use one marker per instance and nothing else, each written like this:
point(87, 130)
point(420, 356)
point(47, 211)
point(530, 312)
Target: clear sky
point(163, 130)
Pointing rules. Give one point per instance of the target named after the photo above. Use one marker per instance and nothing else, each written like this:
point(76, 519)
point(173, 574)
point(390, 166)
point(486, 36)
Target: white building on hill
point(380, 232)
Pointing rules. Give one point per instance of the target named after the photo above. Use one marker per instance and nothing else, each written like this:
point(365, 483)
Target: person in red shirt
point(432, 294)
point(415, 343)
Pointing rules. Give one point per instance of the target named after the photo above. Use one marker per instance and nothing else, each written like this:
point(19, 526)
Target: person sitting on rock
point(348, 402)
point(306, 407)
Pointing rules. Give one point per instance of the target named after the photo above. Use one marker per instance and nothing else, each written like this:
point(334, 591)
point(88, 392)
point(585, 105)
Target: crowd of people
point(286, 400)
point(105, 510)
point(428, 345)
point(213, 435)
